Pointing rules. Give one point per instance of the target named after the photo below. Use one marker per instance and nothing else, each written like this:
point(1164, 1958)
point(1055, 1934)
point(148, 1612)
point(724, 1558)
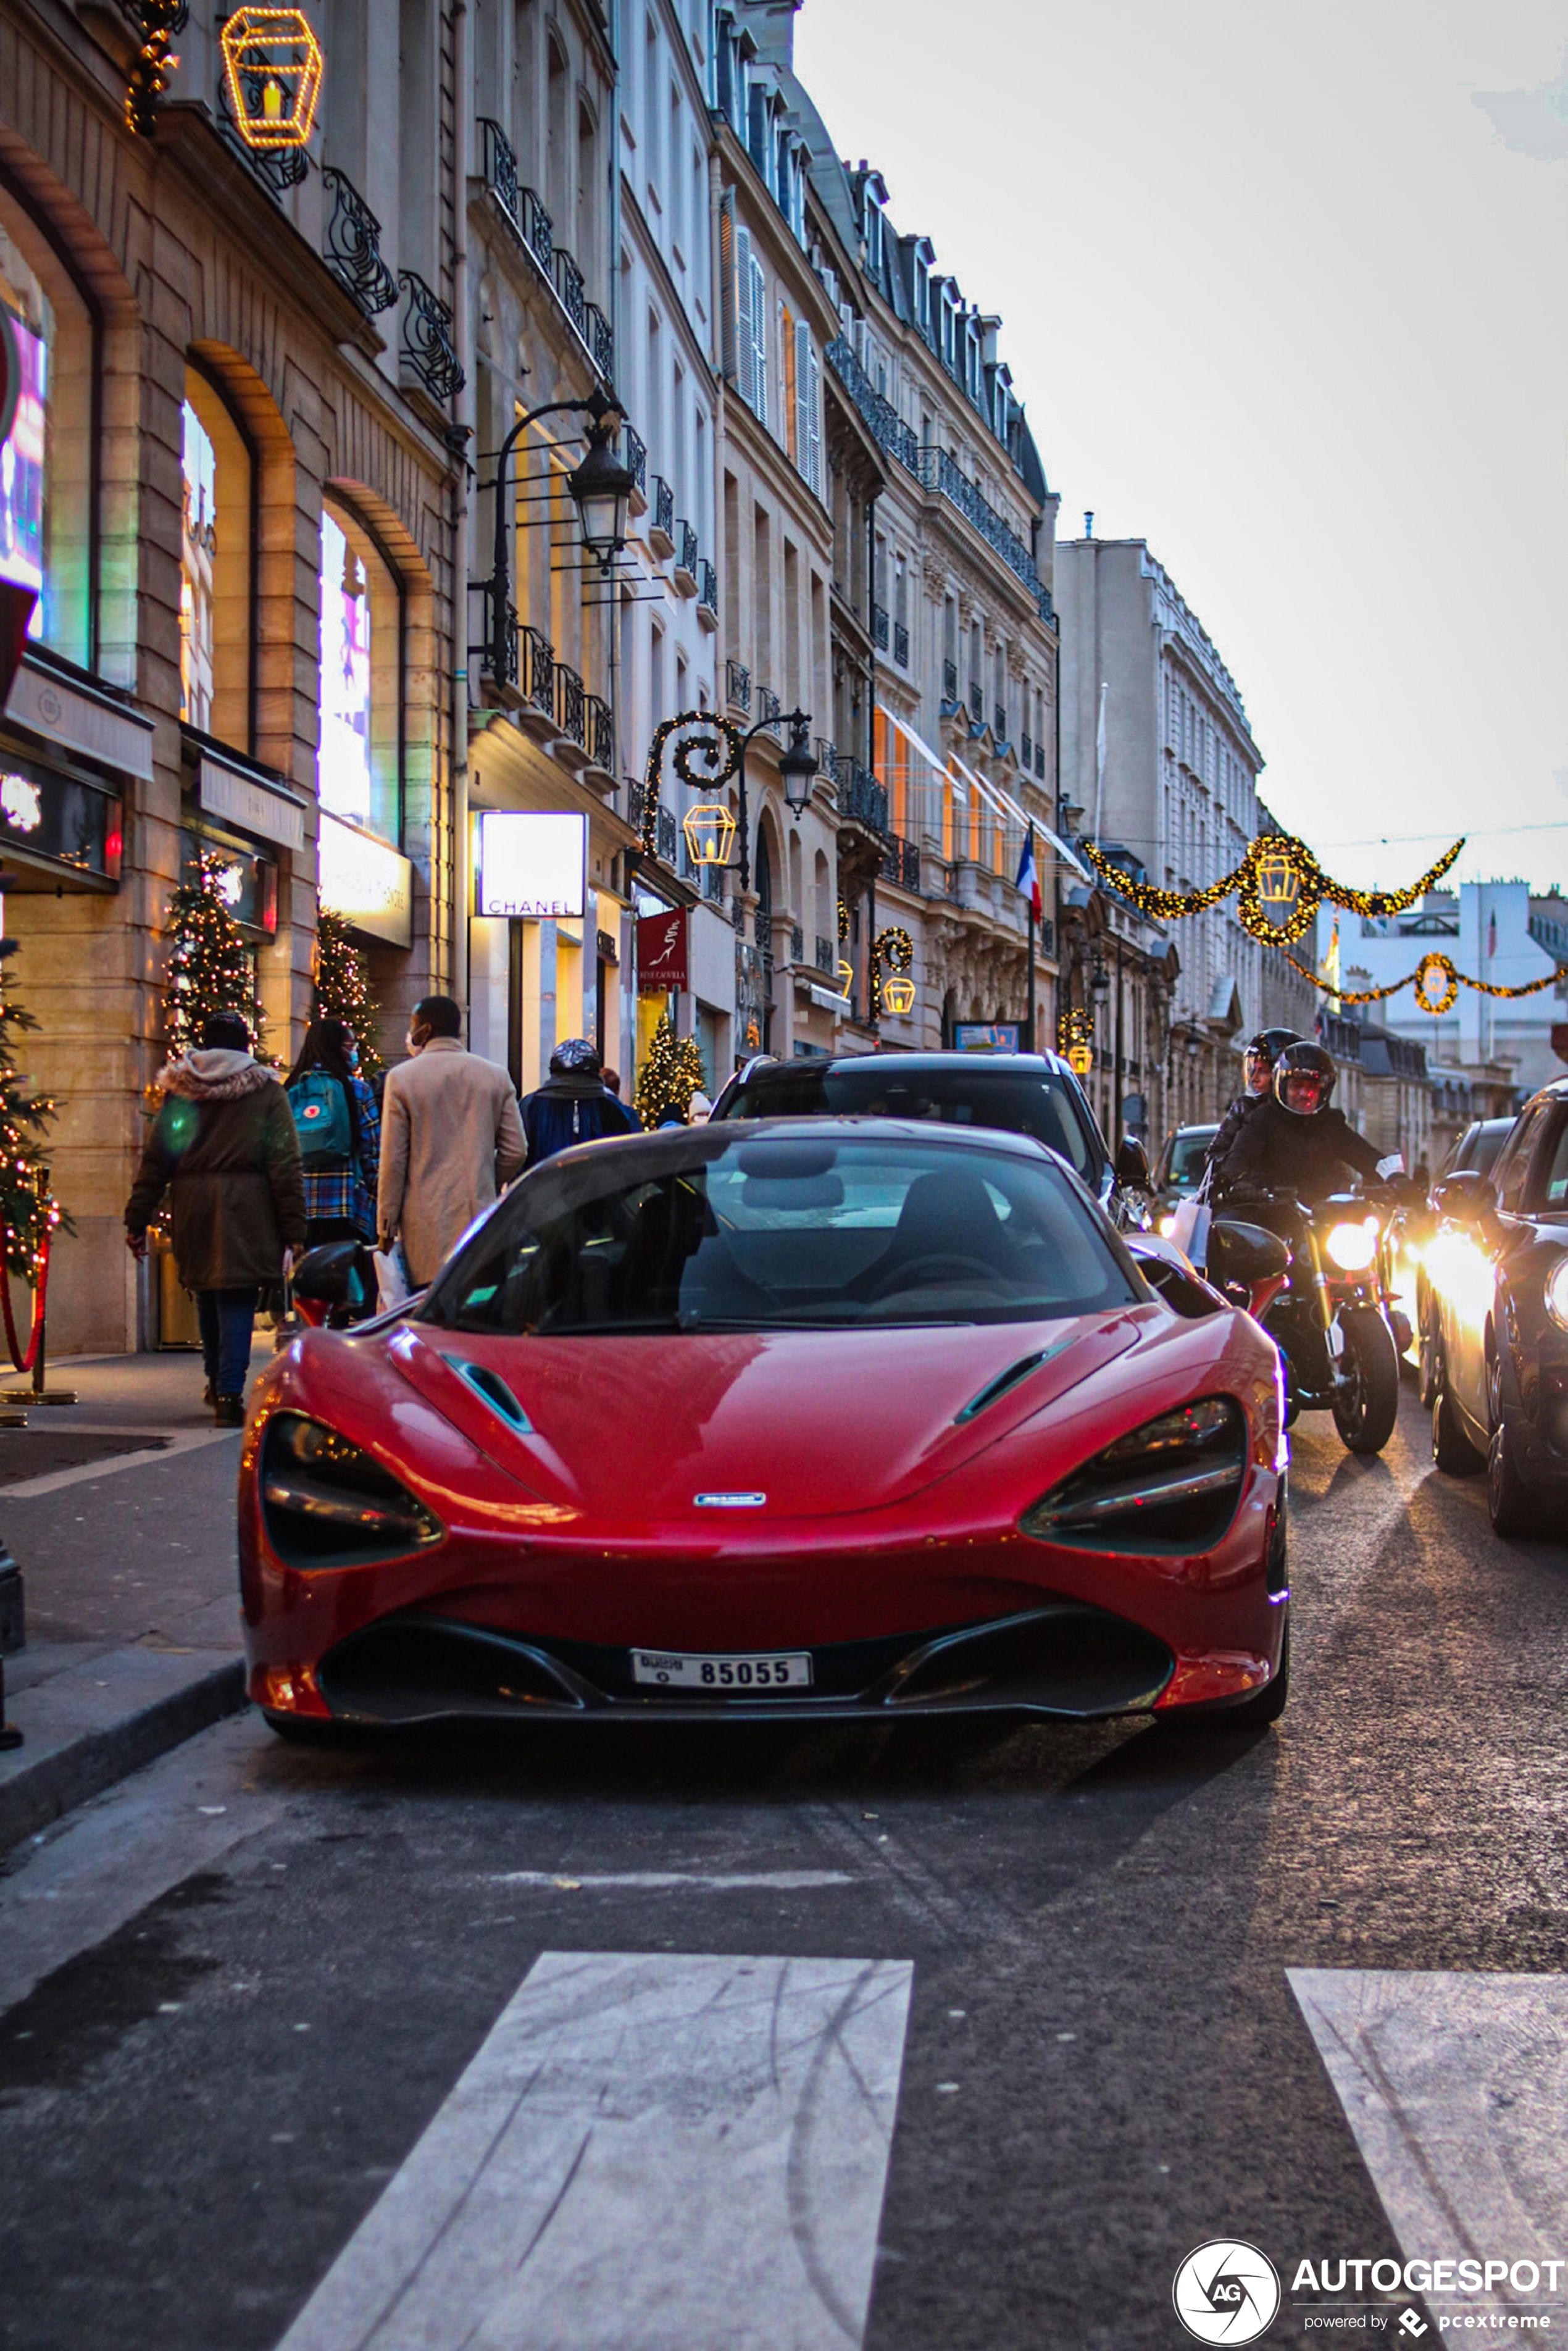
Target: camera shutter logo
point(1227, 2292)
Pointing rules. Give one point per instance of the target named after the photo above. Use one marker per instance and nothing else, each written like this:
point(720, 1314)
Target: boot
point(210, 1395)
point(228, 1412)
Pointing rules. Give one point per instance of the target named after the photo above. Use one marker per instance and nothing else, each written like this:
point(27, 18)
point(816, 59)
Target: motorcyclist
point(1258, 1062)
point(1296, 1141)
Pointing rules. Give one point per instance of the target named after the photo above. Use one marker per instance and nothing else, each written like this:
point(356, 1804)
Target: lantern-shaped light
point(272, 69)
point(844, 973)
point(1081, 1060)
point(898, 996)
point(1278, 881)
point(709, 830)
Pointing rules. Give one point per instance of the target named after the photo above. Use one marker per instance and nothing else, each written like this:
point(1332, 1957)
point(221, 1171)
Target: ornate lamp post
point(601, 488)
point(724, 748)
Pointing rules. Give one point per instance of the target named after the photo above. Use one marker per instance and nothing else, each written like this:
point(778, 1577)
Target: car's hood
point(631, 1431)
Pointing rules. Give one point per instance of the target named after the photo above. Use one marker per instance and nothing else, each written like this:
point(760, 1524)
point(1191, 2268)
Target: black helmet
point(1304, 1079)
point(1261, 1052)
point(575, 1058)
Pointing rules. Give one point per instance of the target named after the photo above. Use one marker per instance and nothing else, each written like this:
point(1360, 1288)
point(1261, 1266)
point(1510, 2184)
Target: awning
point(1000, 802)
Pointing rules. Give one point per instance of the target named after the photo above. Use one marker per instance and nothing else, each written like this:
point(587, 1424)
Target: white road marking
point(27, 1489)
point(783, 1881)
point(702, 2142)
point(1455, 2088)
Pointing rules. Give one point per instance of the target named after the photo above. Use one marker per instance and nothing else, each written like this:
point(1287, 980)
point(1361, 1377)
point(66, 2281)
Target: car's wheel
point(1431, 1372)
point(1367, 1404)
point(1511, 1505)
point(1451, 1448)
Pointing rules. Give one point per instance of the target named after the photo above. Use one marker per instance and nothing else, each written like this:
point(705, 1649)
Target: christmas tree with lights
point(343, 987)
point(29, 1212)
point(211, 966)
point(669, 1077)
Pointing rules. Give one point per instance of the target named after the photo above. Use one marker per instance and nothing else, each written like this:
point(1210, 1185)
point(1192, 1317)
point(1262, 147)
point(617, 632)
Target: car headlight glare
point(1354, 1247)
point(328, 1503)
point(1167, 1227)
point(1557, 1293)
point(1171, 1485)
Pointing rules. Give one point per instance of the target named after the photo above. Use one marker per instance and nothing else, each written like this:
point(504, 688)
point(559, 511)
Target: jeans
point(226, 1317)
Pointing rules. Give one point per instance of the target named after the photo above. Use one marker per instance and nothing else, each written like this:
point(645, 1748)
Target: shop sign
point(72, 719)
point(532, 867)
point(661, 960)
point(254, 807)
point(367, 884)
point(975, 1037)
point(55, 817)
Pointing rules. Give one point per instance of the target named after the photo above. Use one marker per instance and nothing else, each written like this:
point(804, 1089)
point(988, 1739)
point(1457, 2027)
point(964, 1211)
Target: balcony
point(768, 706)
point(977, 702)
point(939, 473)
point(900, 863)
point(737, 686)
point(826, 758)
point(999, 723)
point(949, 680)
point(601, 732)
point(707, 587)
point(353, 251)
point(667, 841)
point(901, 644)
point(428, 354)
point(569, 715)
point(827, 955)
point(796, 943)
point(634, 457)
point(536, 670)
point(508, 672)
point(1039, 762)
point(862, 800)
point(663, 527)
point(880, 627)
point(887, 427)
point(685, 539)
point(1026, 751)
point(530, 224)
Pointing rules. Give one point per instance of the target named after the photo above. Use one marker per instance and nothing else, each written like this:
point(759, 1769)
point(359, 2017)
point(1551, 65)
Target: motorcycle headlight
point(328, 1503)
point(1557, 1293)
point(1353, 1246)
point(1171, 1486)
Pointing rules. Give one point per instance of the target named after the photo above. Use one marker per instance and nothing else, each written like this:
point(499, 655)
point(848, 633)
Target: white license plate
point(767, 1671)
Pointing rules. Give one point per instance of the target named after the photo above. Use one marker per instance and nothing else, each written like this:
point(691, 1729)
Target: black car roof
point(1018, 1065)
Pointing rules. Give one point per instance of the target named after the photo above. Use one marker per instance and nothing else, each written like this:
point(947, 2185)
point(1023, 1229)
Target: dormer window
point(972, 358)
point(872, 225)
point(949, 327)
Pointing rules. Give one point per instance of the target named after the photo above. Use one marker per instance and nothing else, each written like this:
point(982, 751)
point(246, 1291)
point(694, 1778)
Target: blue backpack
point(321, 1107)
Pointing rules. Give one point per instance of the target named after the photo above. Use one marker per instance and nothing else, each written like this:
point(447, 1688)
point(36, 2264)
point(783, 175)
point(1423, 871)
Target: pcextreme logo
point(1227, 2292)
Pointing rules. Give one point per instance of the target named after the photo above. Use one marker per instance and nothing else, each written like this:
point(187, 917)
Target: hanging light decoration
point(272, 70)
point(1437, 981)
point(1075, 1037)
point(1278, 872)
point(709, 829)
point(898, 996)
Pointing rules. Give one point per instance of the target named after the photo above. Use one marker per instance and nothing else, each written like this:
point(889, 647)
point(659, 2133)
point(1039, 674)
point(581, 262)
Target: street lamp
point(798, 765)
point(601, 488)
point(724, 748)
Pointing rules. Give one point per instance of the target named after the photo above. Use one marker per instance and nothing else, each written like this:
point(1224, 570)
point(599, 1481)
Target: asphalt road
point(257, 1973)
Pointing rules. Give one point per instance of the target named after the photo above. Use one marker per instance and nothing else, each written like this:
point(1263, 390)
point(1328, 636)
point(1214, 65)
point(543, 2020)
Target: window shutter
point(758, 339)
point(799, 420)
point(746, 332)
point(810, 377)
point(729, 284)
point(789, 333)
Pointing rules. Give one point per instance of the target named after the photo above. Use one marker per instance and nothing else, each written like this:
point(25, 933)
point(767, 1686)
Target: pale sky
point(1284, 292)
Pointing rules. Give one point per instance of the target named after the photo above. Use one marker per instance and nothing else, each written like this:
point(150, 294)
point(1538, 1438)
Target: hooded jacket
point(568, 1110)
point(224, 1146)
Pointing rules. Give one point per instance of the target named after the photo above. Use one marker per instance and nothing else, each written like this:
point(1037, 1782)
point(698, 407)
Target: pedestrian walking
point(339, 1129)
point(224, 1147)
point(451, 1138)
point(574, 1105)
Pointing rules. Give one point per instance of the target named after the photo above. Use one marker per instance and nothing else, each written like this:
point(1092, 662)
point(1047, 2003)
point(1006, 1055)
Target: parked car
point(1179, 1170)
point(1497, 1278)
point(1476, 1151)
point(1020, 1093)
point(904, 1429)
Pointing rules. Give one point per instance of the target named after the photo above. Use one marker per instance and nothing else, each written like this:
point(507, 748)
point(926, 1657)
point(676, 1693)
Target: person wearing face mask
point(451, 1139)
point(1257, 1085)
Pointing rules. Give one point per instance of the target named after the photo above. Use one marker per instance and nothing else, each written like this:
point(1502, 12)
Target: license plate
point(768, 1671)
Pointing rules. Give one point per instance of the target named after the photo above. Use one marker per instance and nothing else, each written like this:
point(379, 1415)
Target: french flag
point(1028, 878)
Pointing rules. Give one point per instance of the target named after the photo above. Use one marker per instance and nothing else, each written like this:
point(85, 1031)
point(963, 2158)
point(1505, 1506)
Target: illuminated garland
point(720, 747)
point(1280, 871)
point(1075, 1039)
point(211, 966)
point(29, 1213)
point(343, 987)
point(157, 21)
point(844, 919)
point(893, 950)
point(1451, 979)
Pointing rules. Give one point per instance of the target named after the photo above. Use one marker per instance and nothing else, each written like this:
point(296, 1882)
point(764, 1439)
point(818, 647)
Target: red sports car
point(788, 1419)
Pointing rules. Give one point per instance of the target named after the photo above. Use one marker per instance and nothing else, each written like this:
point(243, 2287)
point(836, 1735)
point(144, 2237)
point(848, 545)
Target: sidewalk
point(119, 1509)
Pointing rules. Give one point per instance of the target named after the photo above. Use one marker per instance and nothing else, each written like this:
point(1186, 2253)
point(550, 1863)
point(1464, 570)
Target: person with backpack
point(574, 1105)
point(224, 1147)
point(340, 1131)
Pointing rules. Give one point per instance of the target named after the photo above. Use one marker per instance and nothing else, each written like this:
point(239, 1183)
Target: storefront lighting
point(272, 69)
point(709, 829)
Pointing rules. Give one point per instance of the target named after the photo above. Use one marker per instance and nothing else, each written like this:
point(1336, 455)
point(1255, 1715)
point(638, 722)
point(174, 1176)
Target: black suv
point(1022, 1094)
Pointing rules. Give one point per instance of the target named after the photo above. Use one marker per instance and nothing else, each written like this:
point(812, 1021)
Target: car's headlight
point(1557, 1293)
point(1171, 1485)
point(1353, 1246)
point(1167, 1227)
point(328, 1503)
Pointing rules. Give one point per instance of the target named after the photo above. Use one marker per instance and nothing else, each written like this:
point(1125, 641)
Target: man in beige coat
point(451, 1137)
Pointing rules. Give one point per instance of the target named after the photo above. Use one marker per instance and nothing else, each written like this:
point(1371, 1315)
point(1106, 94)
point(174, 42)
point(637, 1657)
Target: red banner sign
point(662, 952)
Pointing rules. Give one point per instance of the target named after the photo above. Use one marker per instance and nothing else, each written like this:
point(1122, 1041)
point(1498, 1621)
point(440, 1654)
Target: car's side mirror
point(1133, 1166)
point(1245, 1254)
point(1466, 1196)
point(334, 1282)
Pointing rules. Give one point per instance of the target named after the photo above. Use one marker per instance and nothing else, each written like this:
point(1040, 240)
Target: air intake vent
point(491, 1389)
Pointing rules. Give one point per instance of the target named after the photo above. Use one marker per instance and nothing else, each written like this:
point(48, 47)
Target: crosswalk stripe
point(684, 2152)
point(1453, 2086)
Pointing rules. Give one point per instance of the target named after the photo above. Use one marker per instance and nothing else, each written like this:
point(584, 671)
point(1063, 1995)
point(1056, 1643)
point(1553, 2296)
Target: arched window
point(45, 459)
point(216, 543)
point(359, 761)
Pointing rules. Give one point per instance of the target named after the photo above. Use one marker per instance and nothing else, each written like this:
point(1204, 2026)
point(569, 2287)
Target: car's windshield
point(1488, 1143)
point(730, 1230)
point(1189, 1149)
point(1018, 1102)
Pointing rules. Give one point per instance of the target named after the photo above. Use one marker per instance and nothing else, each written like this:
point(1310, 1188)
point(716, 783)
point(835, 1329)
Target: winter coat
point(450, 1137)
point(1278, 1151)
point(565, 1111)
point(1231, 1129)
point(224, 1146)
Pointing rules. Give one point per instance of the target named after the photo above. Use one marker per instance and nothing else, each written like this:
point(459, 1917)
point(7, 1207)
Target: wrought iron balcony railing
point(536, 670)
point(949, 680)
point(738, 683)
point(769, 705)
point(888, 428)
point(686, 546)
point(669, 835)
point(602, 342)
point(354, 245)
point(427, 345)
point(827, 955)
point(569, 710)
point(1039, 762)
point(860, 797)
point(634, 457)
point(1026, 752)
point(533, 225)
point(826, 758)
point(569, 285)
point(713, 884)
point(600, 731)
point(707, 586)
point(796, 943)
point(880, 628)
point(664, 507)
point(999, 723)
point(938, 472)
point(901, 862)
point(901, 644)
point(976, 702)
point(508, 674)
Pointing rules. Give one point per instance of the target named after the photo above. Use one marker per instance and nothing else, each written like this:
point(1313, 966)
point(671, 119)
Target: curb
point(39, 1792)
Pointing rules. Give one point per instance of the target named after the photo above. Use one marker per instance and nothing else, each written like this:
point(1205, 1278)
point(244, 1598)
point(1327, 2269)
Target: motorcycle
point(1328, 1310)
